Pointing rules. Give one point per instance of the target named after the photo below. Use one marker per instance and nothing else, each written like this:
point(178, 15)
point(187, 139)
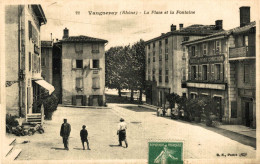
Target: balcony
point(245, 52)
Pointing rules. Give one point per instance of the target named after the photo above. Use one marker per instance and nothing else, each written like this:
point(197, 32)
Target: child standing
point(84, 136)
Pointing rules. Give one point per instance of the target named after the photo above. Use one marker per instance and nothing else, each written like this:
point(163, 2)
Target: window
point(205, 72)
point(149, 61)
point(153, 45)
point(183, 53)
point(160, 75)
point(149, 46)
point(149, 74)
point(166, 76)
point(43, 61)
point(183, 74)
point(78, 47)
point(95, 83)
point(166, 50)
point(30, 61)
point(193, 50)
point(153, 56)
point(166, 56)
point(204, 49)
point(217, 66)
point(217, 47)
point(184, 95)
point(185, 38)
point(160, 43)
point(166, 41)
point(30, 29)
point(95, 48)
point(95, 63)
point(193, 96)
point(246, 73)
point(160, 57)
point(193, 72)
point(160, 51)
point(79, 63)
point(79, 82)
point(153, 75)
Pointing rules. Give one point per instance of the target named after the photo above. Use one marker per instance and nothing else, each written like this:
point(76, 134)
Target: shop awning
point(46, 85)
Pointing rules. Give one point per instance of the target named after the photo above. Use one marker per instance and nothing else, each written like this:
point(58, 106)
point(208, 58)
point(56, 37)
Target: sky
point(124, 29)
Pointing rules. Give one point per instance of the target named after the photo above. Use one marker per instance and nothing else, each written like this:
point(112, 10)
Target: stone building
point(222, 66)
point(46, 60)
point(83, 70)
point(23, 60)
point(164, 60)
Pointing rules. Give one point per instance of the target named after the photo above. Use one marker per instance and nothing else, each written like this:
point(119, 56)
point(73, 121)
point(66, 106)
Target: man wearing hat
point(84, 136)
point(65, 133)
point(121, 132)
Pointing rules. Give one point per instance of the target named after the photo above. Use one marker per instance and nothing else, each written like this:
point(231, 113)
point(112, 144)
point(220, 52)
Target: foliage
point(50, 105)
point(125, 67)
point(11, 120)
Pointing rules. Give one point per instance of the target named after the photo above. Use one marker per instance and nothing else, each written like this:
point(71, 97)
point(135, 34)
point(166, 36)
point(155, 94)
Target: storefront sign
point(207, 59)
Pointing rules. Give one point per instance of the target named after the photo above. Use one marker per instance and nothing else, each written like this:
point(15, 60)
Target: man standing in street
point(84, 136)
point(65, 133)
point(121, 132)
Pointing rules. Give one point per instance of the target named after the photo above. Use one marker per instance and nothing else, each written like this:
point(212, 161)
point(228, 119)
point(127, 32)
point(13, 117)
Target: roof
point(237, 30)
point(83, 38)
point(46, 43)
point(196, 29)
point(39, 13)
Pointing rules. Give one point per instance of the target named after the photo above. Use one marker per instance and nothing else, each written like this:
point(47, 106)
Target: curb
point(89, 107)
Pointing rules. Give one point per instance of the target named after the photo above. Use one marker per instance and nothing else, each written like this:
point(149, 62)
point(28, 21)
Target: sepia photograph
point(137, 81)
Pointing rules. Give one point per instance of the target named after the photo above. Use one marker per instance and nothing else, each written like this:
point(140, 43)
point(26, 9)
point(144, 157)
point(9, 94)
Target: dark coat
point(65, 130)
point(83, 134)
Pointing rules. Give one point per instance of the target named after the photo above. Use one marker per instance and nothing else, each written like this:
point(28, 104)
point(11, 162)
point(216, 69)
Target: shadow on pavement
point(114, 146)
point(137, 109)
point(56, 148)
point(78, 148)
point(119, 100)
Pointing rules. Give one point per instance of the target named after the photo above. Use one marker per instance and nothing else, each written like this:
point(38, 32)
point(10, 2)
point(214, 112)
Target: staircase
point(10, 153)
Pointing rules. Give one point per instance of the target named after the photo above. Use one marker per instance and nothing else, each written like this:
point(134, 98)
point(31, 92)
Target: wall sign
point(207, 59)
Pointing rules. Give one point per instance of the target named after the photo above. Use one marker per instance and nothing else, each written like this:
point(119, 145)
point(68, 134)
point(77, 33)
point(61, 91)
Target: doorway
point(219, 109)
point(248, 107)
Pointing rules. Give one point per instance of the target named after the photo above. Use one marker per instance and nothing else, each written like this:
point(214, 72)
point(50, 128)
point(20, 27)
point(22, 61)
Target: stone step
point(13, 155)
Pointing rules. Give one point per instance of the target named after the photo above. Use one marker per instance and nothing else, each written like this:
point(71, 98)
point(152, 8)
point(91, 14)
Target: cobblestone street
point(143, 125)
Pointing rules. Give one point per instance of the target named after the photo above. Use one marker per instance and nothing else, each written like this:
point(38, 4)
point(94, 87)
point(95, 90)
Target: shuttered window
point(30, 29)
point(160, 75)
point(193, 72)
point(205, 72)
point(95, 83)
point(79, 82)
point(217, 71)
point(30, 61)
point(246, 73)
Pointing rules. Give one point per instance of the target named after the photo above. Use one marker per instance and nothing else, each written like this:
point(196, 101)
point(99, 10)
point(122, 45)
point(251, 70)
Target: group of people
point(66, 129)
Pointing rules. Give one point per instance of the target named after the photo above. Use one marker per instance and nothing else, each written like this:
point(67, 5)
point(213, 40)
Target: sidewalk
point(240, 129)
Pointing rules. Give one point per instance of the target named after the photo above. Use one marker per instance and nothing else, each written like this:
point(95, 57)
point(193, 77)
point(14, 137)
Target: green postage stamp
point(165, 152)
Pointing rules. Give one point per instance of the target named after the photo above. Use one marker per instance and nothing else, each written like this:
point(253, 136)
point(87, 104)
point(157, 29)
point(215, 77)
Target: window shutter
point(73, 100)
point(208, 72)
point(220, 50)
point(84, 97)
point(30, 29)
point(73, 63)
point(29, 93)
point(221, 72)
point(197, 72)
point(213, 77)
point(200, 72)
point(189, 73)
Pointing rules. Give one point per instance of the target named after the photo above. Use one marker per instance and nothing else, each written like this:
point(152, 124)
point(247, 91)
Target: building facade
point(222, 66)
point(83, 70)
point(46, 60)
point(164, 60)
point(23, 59)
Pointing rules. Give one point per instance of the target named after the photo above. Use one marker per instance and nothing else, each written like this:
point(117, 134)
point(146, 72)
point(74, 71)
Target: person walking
point(84, 136)
point(65, 133)
point(121, 132)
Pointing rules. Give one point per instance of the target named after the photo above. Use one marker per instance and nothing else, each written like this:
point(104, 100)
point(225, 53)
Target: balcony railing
point(246, 51)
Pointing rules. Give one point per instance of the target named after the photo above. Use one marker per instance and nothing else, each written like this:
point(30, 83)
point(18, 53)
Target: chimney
point(244, 15)
point(219, 24)
point(65, 33)
point(181, 26)
point(173, 27)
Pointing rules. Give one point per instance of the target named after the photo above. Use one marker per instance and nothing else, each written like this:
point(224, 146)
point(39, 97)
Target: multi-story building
point(23, 59)
point(83, 70)
point(46, 60)
point(164, 60)
point(222, 66)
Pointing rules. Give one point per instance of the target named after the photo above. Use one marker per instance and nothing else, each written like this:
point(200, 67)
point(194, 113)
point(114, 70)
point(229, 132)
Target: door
point(79, 100)
point(248, 113)
point(160, 98)
point(218, 101)
point(95, 100)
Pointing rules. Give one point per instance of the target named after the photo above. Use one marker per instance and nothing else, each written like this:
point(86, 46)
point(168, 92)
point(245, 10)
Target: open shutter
point(189, 73)
point(221, 72)
point(84, 97)
point(197, 72)
point(29, 93)
point(213, 72)
point(200, 72)
point(208, 72)
point(73, 63)
point(73, 100)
